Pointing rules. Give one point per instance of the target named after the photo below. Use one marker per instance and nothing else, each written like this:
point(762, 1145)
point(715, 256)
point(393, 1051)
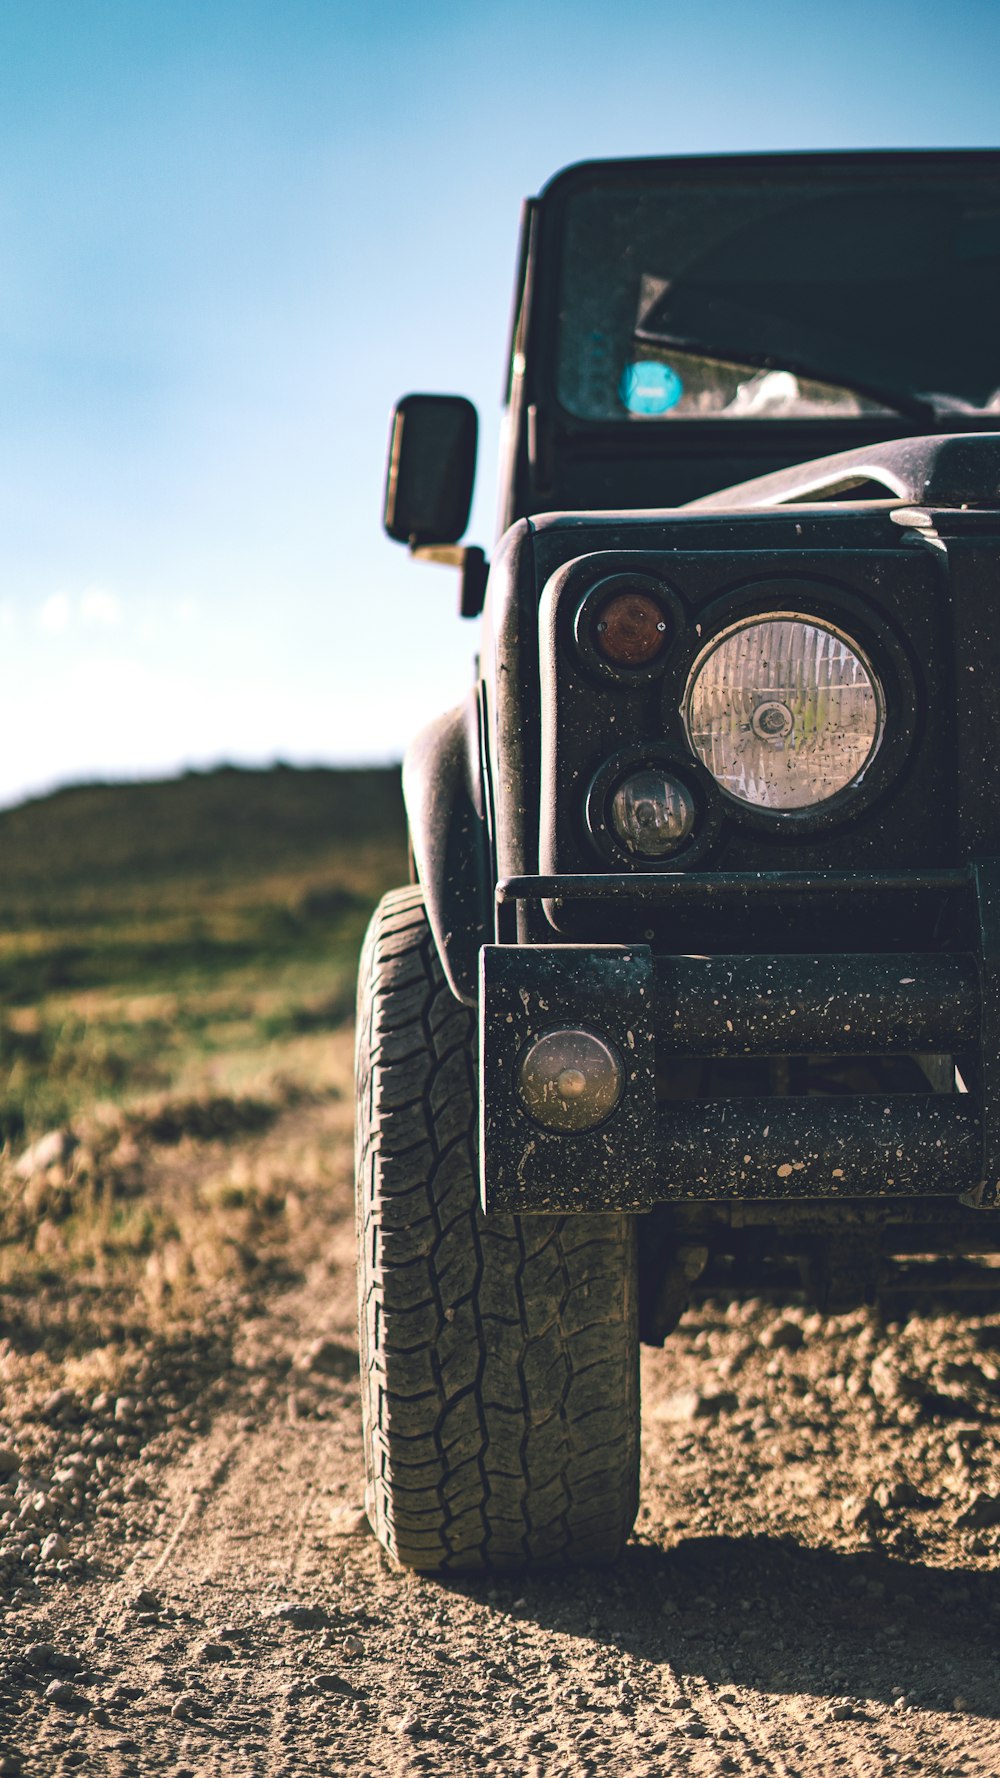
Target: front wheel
point(499, 1355)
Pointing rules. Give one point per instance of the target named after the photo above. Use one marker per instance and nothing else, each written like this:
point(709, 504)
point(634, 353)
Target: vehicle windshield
point(830, 295)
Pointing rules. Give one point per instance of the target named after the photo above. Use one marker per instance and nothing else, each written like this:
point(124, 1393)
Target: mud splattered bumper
point(654, 1007)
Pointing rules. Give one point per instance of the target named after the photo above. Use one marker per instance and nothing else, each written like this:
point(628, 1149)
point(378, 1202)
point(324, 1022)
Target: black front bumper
point(656, 1006)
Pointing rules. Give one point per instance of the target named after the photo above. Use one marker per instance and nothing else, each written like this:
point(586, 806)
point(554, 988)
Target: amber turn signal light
point(631, 629)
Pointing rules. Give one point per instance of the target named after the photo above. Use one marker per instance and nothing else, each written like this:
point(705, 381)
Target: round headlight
point(652, 813)
point(784, 711)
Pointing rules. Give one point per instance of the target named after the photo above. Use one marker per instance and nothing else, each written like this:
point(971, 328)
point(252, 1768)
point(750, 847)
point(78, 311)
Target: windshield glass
point(826, 296)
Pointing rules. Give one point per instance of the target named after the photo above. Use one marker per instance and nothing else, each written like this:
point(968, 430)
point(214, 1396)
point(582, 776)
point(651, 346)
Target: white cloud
point(55, 614)
point(99, 607)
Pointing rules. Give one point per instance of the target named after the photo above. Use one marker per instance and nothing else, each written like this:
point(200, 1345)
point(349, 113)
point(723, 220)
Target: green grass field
point(152, 935)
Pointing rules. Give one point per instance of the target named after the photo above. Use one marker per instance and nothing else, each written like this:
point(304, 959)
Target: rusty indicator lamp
point(632, 629)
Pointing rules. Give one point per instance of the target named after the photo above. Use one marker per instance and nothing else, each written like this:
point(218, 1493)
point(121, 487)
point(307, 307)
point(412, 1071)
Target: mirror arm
point(474, 570)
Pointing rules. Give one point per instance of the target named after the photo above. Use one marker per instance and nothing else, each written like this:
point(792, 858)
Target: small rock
point(332, 1682)
point(349, 1521)
point(40, 1655)
point(892, 1386)
point(66, 1697)
point(54, 1404)
point(10, 1462)
point(961, 1704)
point(144, 1600)
point(136, 1488)
point(125, 1694)
point(983, 1510)
point(328, 1358)
point(189, 1705)
point(54, 1146)
point(301, 1617)
point(211, 1652)
point(354, 1647)
point(125, 1409)
point(841, 1713)
point(859, 1510)
point(782, 1336)
point(54, 1548)
point(691, 1404)
point(412, 1726)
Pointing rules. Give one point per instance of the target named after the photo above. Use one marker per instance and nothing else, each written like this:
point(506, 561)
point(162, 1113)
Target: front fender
point(443, 793)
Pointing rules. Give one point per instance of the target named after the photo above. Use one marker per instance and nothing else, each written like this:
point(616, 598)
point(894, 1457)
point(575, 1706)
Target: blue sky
point(234, 231)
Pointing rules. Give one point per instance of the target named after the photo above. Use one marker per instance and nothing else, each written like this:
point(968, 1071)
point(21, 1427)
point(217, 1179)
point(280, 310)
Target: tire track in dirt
point(770, 1616)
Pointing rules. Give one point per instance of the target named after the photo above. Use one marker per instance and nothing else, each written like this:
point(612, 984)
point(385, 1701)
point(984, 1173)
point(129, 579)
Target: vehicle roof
point(761, 165)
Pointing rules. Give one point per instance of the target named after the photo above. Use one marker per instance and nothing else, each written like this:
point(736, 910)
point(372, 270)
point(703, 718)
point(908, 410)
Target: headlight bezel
point(870, 622)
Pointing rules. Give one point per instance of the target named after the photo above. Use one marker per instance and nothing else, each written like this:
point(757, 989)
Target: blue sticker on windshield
point(649, 387)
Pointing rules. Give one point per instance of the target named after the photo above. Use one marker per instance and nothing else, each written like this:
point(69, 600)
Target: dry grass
point(192, 1078)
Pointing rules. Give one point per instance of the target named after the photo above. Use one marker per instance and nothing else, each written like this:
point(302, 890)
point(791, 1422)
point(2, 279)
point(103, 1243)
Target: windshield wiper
point(706, 325)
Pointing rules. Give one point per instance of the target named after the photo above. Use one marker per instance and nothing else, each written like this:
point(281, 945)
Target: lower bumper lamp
point(570, 1079)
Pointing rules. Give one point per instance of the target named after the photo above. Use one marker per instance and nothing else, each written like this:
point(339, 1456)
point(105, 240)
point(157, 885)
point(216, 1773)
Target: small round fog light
point(570, 1080)
point(652, 813)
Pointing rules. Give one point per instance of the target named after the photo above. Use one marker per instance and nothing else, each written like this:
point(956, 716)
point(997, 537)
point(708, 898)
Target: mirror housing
point(431, 469)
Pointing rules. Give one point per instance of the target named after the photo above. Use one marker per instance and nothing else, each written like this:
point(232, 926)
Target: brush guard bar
point(663, 1007)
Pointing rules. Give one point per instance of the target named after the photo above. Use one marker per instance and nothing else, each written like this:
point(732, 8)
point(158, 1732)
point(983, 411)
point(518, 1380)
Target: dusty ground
point(812, 1587)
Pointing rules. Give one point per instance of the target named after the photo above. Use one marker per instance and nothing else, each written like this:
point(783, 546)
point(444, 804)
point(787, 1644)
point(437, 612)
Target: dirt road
point(812, 1587)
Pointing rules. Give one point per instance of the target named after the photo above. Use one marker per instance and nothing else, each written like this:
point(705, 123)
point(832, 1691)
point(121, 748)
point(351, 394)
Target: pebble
point(348, 1521)
point(692, 1404)
point(10, 1462)
point(301, 1617)
point(54, 1548)
point(354, 1647)
point(66, 1696)
point(40, 1654)
point(215, 1651)
point(857, 1510)
point(54, 1146)
point(144, 1600)
point(327, 1357)
point(332, 1682)
point(983, 1510)
point(782, 1336)
point(188, 1705)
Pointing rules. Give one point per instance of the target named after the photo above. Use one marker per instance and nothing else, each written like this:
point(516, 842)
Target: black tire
point(499, 1356)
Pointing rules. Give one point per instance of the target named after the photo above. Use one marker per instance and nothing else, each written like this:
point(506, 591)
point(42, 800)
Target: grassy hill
point(145, 925)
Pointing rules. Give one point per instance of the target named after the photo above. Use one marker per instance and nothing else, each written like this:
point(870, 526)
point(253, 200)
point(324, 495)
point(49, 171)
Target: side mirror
point(431, 469)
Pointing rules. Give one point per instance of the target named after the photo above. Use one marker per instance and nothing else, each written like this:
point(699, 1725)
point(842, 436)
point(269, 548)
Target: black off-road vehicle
point(697, 982)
